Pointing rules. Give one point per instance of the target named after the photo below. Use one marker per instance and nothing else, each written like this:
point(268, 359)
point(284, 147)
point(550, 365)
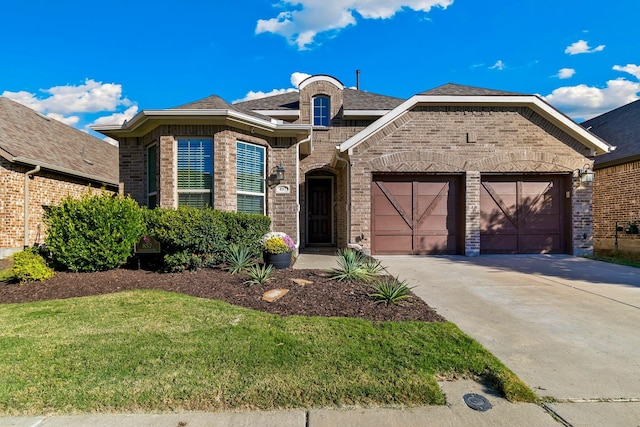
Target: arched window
point(321, 110)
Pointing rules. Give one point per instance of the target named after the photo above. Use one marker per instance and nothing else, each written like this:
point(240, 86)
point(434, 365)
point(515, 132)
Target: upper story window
point(250, 177)
point(152, 176)
point(195, 172)
point(321, 110)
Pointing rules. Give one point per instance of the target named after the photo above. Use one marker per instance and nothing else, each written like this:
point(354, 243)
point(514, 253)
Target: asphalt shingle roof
point(619, 127)
point(452, 89)
point(26, 134)
point(214, 102)
point(352, 100)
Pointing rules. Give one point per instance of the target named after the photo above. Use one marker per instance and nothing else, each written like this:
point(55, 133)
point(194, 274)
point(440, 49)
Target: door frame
point(332, 179)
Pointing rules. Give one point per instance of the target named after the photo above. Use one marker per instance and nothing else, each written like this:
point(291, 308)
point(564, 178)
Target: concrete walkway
point(566, 326)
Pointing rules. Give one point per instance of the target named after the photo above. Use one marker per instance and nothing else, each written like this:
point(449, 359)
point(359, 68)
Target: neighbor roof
point(620, 127)
point(30, 138)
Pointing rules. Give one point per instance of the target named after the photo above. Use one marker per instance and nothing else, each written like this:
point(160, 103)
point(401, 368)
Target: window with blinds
point(195, 172)
point(152, 176)
point(250, 178)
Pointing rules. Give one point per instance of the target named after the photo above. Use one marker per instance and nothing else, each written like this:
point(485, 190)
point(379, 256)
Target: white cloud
point(303, 20)
point(68, 104)
point(566, 73)
point(69, 120)
point(582, 46)
point(499, 65)
point(632, 69)
point(296, 78)
point(585, 102)
point(116, 118)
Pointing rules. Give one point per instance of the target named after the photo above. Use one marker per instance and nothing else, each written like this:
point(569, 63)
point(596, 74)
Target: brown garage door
point(416, 215)
point(524, 215)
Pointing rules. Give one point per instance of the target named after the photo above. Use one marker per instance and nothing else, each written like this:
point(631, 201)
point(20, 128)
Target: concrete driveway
point(568, 327)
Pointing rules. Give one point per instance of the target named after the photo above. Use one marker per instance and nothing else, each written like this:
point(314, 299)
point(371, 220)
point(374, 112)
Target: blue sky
point(89, 62)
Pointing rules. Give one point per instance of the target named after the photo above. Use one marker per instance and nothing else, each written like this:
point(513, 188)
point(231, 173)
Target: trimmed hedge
point(93, 233)
point(192, 237)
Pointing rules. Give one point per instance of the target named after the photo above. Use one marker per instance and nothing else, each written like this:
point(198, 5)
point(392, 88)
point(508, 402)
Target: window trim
point(263, 194)
point(179, 191)
point(321, 117)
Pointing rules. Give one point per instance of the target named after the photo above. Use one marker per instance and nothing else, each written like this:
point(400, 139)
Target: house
point(42, 161)
point(453, 170)
point(616, 189)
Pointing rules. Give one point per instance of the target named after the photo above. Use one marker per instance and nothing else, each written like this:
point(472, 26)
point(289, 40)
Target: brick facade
point(512, 140)
point(45, 189)
point(616, 198)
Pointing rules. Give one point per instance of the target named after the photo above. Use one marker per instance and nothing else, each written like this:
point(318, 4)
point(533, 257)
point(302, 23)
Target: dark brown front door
point(319, 210)
point(523, 215)
point(416, 215)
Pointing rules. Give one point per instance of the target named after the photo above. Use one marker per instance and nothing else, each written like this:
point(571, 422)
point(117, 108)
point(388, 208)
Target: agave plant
point(258, 274)
point(390, 290)
point(352, 265)
point(238, 258)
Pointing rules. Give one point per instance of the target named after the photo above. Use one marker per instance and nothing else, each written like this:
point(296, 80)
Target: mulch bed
point(322, 297)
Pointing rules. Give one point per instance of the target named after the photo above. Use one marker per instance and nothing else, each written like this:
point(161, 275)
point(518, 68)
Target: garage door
point(524, 215)
point(416, 215)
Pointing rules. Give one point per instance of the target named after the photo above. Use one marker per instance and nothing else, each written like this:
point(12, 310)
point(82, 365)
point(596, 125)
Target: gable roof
point(30, 138)
point(620, 127)
point(452, 94)
point(214, 102)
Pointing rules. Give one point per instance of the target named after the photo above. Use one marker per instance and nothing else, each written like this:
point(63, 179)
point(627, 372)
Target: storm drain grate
point(477, 402)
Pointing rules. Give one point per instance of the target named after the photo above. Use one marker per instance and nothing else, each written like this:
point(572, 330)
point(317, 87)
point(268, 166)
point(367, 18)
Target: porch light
point(585, 174)
point(276, 175)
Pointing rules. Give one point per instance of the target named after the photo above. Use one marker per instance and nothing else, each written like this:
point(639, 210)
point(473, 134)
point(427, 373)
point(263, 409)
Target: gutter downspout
point(298, 209)
point(348, 204)
point(27, 175)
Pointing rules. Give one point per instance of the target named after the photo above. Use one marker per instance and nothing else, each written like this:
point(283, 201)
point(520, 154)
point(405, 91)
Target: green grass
point(622, 258)
point(158, 351)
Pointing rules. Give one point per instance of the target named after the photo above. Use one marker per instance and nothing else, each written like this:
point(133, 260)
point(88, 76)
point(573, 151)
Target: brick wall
point(472, 141)
point(616, 198)
point(45, 189)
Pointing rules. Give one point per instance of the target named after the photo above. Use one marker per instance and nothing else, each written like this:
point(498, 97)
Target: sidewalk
point(455, 414)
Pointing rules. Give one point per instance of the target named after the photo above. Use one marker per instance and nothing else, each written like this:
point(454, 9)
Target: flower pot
point(278, 261)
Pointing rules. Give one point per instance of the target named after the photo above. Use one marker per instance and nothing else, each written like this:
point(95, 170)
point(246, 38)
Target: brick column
point(472, 219)
point(167, 184)
point(582, 216)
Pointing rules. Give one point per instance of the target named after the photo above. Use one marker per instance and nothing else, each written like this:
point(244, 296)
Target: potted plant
point(276, 249)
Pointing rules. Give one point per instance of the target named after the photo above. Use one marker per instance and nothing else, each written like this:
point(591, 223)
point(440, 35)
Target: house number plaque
point(283, 189)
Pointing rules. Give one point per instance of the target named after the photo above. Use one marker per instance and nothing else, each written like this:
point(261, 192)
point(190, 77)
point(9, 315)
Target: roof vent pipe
point(27, 175)
point(357, 79)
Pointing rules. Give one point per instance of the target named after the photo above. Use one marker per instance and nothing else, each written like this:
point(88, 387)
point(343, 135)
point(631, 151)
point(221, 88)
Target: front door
point(319, 210)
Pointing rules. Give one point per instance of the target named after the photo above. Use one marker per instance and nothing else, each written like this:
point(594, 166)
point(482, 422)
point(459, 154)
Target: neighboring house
point(616, 190)
point(42, 161)
point(454, 170)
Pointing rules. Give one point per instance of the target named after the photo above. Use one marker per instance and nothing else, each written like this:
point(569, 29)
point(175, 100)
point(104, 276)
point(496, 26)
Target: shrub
point(93, 233)
point(259, 274)
point(390, 290)
point(181, 261)
point(198, 233)
point(244, 229)
point(352, 265)
point(29, 266)
point(239, 258)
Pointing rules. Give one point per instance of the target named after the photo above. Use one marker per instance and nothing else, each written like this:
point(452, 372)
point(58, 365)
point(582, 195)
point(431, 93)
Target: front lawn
point(149, 350)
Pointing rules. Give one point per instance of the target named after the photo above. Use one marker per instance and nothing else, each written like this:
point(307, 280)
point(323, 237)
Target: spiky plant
point(351, 266)
point(238, 258)
point(390, 290)
point(259, 274)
